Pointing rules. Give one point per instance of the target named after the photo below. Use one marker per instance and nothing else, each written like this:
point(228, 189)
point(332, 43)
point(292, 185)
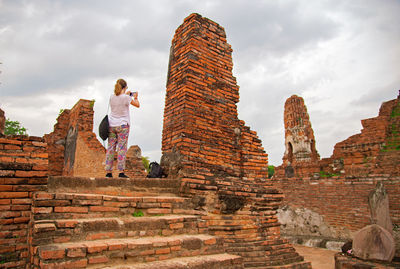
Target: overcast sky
point(342, 57)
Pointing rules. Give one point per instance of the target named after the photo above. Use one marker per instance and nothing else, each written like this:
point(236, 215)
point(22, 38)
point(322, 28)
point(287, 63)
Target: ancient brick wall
point(338, 190)
point(74, 149)
point(218, 159)
point(23, 170)
point(376, 150)
point(343, 202)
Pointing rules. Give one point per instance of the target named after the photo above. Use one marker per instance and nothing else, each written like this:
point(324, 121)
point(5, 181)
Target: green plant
point(271, 170)
point(92, 103)
point(146, 163)
point(395, 111)
point(61, 111)
point(14, 128)
point(324, 174)
point(138, 213)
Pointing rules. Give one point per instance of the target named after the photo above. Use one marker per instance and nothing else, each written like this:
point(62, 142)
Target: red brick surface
point(74, 149)
point(214, 154)
point(19, 178)
point(340, 191)
point(374, 151)
point(343, 202)
point(300, 153)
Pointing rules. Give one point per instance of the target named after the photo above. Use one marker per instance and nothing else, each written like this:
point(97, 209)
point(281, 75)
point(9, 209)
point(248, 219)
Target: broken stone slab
point(378, 201)
point(374, 242)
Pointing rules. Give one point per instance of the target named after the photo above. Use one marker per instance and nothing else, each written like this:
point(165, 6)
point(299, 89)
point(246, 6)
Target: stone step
point(69, 230)
point(267, 262)
point(74, 205)
point(96, 254)
point(215, 261)
point(115, 186)
point(262, 254)
point(293, 265)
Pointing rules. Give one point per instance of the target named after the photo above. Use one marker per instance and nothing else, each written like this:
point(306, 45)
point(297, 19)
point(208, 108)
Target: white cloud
point(341, 56)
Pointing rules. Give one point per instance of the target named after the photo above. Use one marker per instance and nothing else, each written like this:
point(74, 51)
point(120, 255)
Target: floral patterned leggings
point(117, 142)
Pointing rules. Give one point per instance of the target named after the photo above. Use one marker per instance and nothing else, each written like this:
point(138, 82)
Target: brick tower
point(200, 118)
point(300, 157)
point(219, 161)
point(299, 135)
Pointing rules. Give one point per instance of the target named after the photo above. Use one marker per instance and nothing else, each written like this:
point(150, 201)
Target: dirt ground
point(320, 258)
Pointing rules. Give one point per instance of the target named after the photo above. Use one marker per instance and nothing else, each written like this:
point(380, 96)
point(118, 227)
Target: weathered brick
point(5, 201)
point(42, 210)
point(103, 209)
point(51, 253)
point(31, 173)
point(103, 235)
point(76, 264)
point(66, 223)
point(27, 201)
point(98, 259)
point(71, 209)
point(75, 251)
point(95, 247)
point(163, 251)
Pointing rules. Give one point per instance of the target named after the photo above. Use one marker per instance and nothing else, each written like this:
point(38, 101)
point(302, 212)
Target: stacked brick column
point(23, 170)
point(200, 116)
point(213, 153)
point(301, 157)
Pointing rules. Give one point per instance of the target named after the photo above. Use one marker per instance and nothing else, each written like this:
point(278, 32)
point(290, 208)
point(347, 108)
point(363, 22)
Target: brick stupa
point(218, 159)
point(301, 156)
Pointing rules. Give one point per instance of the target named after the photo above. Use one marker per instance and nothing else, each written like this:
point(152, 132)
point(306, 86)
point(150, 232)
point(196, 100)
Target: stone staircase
point(121, 223)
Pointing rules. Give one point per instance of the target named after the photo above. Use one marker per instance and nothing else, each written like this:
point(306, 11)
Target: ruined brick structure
point(23, 171)
point(2, 122)
point(301, 156)
point(200, 116)
point(74, 149)
point(338, 194)
point(376, 150)
point(218, 159)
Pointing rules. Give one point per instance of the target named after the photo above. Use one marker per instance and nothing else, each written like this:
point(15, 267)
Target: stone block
point(374, 243)
point(378, 201)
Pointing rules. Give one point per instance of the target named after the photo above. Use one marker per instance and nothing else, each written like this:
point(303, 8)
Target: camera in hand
point(132, 93)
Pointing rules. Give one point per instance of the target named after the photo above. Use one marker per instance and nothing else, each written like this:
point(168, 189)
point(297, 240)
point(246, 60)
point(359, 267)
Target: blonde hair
point(119, 86)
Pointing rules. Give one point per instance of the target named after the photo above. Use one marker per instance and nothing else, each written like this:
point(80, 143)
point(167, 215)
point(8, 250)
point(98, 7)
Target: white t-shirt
point(119, 110)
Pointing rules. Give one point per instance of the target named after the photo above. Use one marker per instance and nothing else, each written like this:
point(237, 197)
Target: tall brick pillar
point(201, 122)
point(301, 157)
point(299, 135)
point(218, 159)
point(2, 122)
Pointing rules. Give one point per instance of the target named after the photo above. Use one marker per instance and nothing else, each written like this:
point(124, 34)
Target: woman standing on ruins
point(119, 122)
